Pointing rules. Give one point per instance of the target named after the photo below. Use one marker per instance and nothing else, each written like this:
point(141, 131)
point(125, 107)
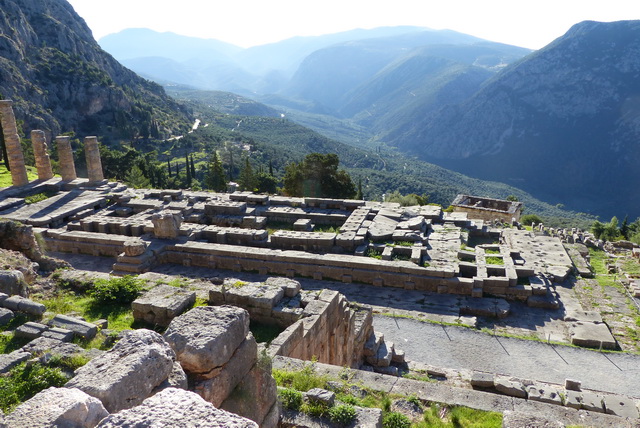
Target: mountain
point(61, 80)
point(333, 76)
point(562, 123)
point(215, 65)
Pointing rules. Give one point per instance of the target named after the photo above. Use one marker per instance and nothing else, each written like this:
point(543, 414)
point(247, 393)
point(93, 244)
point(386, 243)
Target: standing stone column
point(12, 144)
point(65, 157)
point(94, 164)
point(40, 152)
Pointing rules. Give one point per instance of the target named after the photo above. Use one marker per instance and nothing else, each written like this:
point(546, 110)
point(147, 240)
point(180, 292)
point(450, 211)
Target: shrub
point(25, 381)
point(317, 409)
point(290, 398)
point(529, 219)
point(342, 414)
point(395, 420)
point(117, 290)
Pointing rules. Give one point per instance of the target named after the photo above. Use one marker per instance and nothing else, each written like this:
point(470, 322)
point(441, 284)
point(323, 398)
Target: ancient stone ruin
point(207, 362)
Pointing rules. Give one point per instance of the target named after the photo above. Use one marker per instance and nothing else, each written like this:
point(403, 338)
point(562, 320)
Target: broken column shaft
point(40, 152)
point(12, 144)
point(94, 164)
point(65, 157)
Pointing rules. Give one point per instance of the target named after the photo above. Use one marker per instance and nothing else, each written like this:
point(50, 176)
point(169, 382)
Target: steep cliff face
point(61, 80)
point(564, 122)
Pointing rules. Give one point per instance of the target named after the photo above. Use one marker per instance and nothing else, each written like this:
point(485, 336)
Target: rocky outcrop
point(127, 374)
point(58, 407)
point(19, 237)
point(176, 407)
point(61, 80)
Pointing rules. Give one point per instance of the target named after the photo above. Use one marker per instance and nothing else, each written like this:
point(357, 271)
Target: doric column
point(12, 144)
point(65, 157)
point(94, 164)
point(41, 153)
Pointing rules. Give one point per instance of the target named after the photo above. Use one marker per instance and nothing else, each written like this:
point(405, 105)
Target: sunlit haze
point(248, 23)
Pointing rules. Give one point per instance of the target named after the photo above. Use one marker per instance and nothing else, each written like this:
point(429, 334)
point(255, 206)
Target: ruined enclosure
point(487, 208)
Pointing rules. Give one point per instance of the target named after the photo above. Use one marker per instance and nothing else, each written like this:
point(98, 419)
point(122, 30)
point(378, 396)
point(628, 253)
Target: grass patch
point(274, 226)
point(25, 381)
point(491, 251)
point(631, 267)
point(373, 253)
point(401, 257)
point(325, 228)
point(454, 416)
point(5, 175)
point(403, 243)
point(300, 380)
point(492, 260)
point(239, 284)
point(9, 343)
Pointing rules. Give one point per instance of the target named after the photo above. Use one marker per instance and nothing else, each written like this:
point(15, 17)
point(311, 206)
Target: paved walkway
point(463, 348)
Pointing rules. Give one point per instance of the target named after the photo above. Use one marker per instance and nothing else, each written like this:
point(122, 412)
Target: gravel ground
point(463, 348)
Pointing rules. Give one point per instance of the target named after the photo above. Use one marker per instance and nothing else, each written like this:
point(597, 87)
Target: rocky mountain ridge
point(62, 81)
point(562, 123)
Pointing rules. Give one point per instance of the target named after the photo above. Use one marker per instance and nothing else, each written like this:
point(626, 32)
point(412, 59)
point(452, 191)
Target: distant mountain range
point(60, 79)
point(562, 123)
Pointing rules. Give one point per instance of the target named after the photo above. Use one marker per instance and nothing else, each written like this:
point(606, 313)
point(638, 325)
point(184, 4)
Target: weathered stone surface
point(572, 384)
point(254, 294)
point(408, 408)
point(365, 418)
point(321, 395)
point(205, 337)
point(135, 247)
point(621, 406)
point(174, 407)
point(482, 379)
point(291, 287)
point(6, 316)
point(513, 419)
point(545, 394)
point(9, 361)
point(52, 346)
point(510, 387)
point(161, 304)
point(124, 376)
point(12, 282)
point(61, 334)
point(221, 381)
point(177, 379)
point(592, 335)
point(255, 396)
point(30, 330)
point(592, 401)
point(80, 328)
point(58, 407)
point(166, 225)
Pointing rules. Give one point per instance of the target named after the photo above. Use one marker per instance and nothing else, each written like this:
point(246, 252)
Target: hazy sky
point(526, 23)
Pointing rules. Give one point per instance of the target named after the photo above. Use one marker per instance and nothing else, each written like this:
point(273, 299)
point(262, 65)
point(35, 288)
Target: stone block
point(9, 361)
point(544, 394)
point(572, 385)
point(6, 316)
point(127, 374)
point(60, 334)
point(12, 282)
point(592, 401)
point(591, 335)
point(510, 387)
point(482, 379)
point(291, 287)
point(255, 397)
point(621, 406)
point(321, 395)
point(58, 407)
point(161, 304)
point(30, 330)
point(573, 399)
point(81, 328)
point(207, 336)
point(221, 381)
point(176, 407)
